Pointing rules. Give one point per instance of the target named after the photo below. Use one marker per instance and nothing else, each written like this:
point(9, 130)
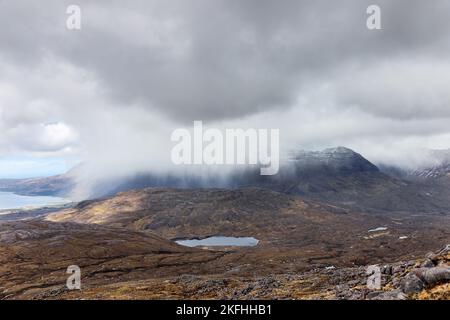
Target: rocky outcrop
point(323, 283)
point(413, 279)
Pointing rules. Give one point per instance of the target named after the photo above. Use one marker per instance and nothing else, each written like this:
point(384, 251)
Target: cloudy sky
point(111, 93)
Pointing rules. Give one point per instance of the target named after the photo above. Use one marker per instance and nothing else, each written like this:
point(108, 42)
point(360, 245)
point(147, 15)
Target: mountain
point(342, 177)
point(435, 166)
point(320, 223)
point(339, 160)
point(338, 176)
point(320, 173)
point(439, 167)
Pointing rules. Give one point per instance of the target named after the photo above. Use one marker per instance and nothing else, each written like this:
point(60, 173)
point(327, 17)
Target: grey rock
point(396, 282)
point(411, 284)
point(398, 269)
point(353, 283)
point(430, 255)
point(444, 250)
point(391, 295)
point(342, 288)
point(387, 269)
point(432, 276)
point(373, 294)
point(427, 264)
point(410, 263)
point(247, 289)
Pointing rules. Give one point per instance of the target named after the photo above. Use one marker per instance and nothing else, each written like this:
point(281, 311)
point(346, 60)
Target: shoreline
point(31, 212)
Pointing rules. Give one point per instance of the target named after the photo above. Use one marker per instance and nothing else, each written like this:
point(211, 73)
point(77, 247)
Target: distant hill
point(435, 166)
point(439, 167)
point(338, 176)
point(59, 185)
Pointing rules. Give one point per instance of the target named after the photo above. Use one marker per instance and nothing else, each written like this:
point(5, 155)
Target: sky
point(110, 94)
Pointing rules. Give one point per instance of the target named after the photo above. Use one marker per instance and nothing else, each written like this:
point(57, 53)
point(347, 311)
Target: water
point(378, 229)
point(220, 241)
point(10, 200)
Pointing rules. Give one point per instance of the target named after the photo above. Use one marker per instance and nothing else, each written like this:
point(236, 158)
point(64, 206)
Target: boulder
point(428, 263)
point(435, 275)
point(391, 295)
point(411, 284)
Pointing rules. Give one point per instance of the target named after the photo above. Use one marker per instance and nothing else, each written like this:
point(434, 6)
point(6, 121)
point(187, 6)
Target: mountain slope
point(289, 229)
point(34, 257)
point(338, 176)
point(122, 244)
point(344, 178)
point(439, 167)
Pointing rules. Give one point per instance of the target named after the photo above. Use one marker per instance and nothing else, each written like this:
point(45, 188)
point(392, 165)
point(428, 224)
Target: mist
point(110, 95)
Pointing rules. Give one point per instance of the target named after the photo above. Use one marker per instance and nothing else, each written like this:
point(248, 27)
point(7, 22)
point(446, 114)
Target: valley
point(309, 242)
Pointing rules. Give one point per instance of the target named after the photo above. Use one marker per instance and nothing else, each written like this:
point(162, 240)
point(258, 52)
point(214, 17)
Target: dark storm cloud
point(112, 93)
point(226, 59)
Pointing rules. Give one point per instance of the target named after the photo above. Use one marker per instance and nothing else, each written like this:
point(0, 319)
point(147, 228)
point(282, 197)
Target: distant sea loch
point(10, 200)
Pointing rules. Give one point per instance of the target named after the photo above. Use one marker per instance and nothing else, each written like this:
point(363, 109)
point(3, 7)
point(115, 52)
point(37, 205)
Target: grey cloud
point(225, 59)
point(139, 69)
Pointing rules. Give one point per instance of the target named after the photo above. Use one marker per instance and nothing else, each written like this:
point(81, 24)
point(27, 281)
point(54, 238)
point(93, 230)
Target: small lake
point(220, 242)
point(10, 200)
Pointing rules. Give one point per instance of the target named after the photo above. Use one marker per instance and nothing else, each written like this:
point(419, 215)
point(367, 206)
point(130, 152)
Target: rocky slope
point(427, 278)
point(121, 264)
point(34, 257)
point(124, 247)
point(294, 232)
point(438, 166)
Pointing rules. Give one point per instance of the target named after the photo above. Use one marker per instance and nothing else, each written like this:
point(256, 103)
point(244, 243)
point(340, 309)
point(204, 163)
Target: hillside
point(34, 256)
point(296, 232)
point(344, 178)
point(124, 247)
point(338, 176)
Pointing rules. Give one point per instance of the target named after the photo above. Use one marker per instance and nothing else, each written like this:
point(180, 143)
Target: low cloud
point(112, 92)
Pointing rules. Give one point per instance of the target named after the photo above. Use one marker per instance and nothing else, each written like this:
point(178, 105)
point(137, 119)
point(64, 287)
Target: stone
point(444, 250)
point(387, 269)
point(398, 269)
point(373, 294)
point(435, 275)
point(428, 263)
point(391, 295)
point(412, 284)
point(396, 282)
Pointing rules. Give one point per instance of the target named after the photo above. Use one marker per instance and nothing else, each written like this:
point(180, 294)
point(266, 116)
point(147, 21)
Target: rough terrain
point(123, 245)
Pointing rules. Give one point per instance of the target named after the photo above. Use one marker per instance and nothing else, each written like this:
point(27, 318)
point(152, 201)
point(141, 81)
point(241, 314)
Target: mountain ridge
point(338, 176)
